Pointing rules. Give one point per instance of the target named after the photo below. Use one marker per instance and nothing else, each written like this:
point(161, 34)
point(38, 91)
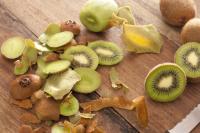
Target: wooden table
point(28, 18)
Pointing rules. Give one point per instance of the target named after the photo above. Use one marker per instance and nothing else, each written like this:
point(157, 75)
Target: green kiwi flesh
point(109, 53)
point(165, 82)
point(82, 56)
point(188, 58)
point(69, 106)
point(90, 80)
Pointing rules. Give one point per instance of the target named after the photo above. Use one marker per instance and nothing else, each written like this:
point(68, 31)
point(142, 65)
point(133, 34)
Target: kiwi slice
point(52, 29)
point(60, 39)
point(56, 66)
point(69, 106)
point(13, 47)
point(90, 80)
point(21, 66)
point(188, 58)
point(166, 82)
point(109, 53)
point(82, 56)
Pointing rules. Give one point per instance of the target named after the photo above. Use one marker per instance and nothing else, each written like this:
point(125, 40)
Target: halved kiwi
point(109, 53)
point(60, 39)
point(69, 106)
point(13, 47)
point(165, 82)
point(90, 80)
point(188, 58)
point(82, 56)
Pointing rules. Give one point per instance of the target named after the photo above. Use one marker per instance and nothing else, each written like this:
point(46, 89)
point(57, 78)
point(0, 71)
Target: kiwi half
point(188, 58)
point(82, 56)
point(69, 106)
point(109, 53)
point(165, 82)
point(90, 80)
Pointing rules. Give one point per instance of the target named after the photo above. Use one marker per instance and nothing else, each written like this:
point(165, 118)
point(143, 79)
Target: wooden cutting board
point(29, 18)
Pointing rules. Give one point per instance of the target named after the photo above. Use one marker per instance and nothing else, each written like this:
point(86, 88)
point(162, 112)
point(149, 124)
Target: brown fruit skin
point(47, 109)
point(177, 12)
point(191, 31)
point(25, 129)
point(70, 26)
point(24, 86)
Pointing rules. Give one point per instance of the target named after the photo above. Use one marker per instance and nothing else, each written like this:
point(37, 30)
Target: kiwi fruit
point(69, 106)
point(165, 82)
point(188, 58)
point(13, 47)
point(177, 12)
point(191, 31)
point(82, 56)
point(52, 28)
point(96, 14)
point(109, 53)
point(90, 80)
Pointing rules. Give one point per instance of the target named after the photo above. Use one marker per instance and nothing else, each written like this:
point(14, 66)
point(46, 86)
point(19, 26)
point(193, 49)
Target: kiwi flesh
point(90, 80)
point(165, 82)
point(82, 56)
point(177, 12)
point(188, 58)
point(109, 53)
point(191, 31)
point(69, 106)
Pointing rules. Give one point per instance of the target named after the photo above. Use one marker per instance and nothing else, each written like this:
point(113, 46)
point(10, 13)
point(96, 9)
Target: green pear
point(96, 14)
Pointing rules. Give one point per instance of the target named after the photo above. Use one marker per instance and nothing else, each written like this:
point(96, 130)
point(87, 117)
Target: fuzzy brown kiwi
point(191, 31)
point(177, 12)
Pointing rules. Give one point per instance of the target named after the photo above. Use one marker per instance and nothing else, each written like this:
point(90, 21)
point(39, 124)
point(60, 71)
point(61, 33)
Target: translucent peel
point(142, 38)
point(41, 47)
point(13, 47)
point(60, 39)
point(115, 81)
point(69, 106)
point(119, 102)
point(61, 84)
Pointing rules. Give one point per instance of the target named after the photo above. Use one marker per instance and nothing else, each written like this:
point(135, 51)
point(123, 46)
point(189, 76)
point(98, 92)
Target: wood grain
point(35, 15)
point(9, 120)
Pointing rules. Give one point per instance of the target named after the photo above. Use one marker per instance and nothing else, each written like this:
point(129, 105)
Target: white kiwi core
point(193, 59)
point(165, 82)
point(81, 58)
point(103, 51)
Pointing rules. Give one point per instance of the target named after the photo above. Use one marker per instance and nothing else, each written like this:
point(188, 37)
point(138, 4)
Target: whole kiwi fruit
point(177, 12)
point(191, 31)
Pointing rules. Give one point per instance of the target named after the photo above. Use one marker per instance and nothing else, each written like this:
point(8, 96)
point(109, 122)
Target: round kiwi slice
point(60, 39)
point(90, 80)
point(13, 47)
point(188, 58)
point(165, 82)
point(82, 56)
point(69, 106)
point(109, 53)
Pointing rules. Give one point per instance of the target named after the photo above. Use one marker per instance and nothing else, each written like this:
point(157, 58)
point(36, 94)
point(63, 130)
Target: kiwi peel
point(188, 58)
point(82, 56)
point(165, 82)
point(90, 80)
point(109, 53)
point(69, 106)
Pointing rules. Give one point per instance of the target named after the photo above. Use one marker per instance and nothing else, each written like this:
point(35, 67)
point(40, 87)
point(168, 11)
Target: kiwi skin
point(177, 12)
point(169, 100)
point(191, 31)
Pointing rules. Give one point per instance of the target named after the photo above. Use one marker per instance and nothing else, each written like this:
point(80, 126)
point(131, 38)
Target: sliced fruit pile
point(63, 67)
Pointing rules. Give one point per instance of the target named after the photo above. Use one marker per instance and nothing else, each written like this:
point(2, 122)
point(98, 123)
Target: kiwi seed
point(188, 58)
point(109, 53)
point(165, 82)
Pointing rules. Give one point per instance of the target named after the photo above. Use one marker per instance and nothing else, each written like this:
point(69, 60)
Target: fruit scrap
point(58, 85)
point(142, 38)
point(70, 26)
point(25, 129)
point(115, 81)
point(26, 103)
point(29, 118)
point(26, 85)
point(47, 109)
point(49, 57)
point(120, 102)
point(37, 96)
